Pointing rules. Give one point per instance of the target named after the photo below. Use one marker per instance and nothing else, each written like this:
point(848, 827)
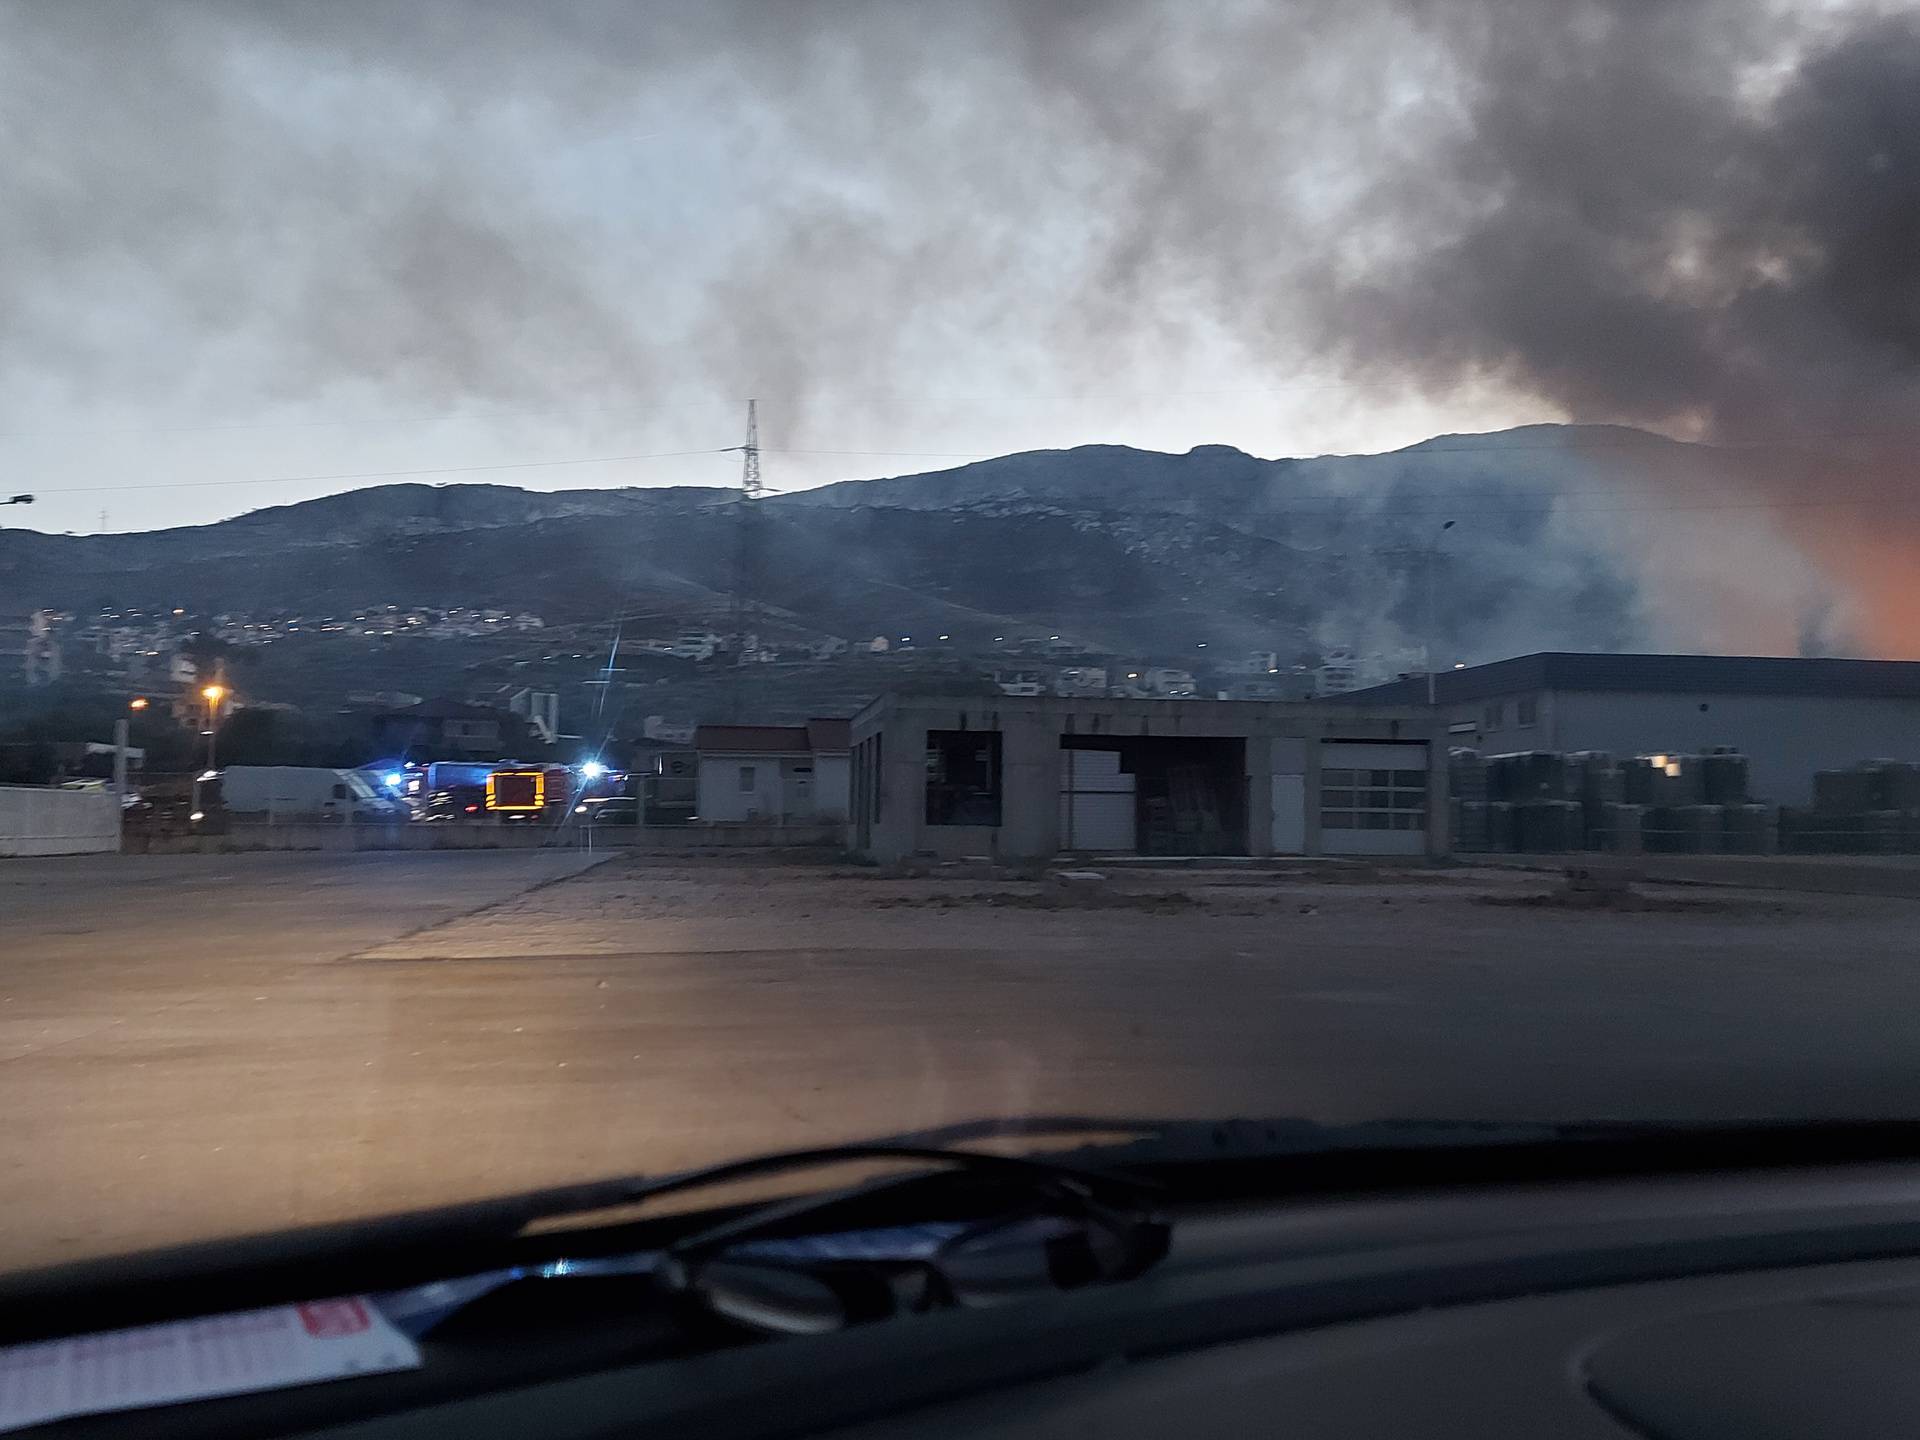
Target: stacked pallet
point(1872, 808)
point(1685, 829)
point(1545, 802)
point(1746, 830)
point(1617, 828)
point(1467, 784)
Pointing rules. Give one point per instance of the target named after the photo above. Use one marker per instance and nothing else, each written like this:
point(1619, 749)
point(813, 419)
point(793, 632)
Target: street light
point(1433, 551)
point(139, 702)
point(213, 694)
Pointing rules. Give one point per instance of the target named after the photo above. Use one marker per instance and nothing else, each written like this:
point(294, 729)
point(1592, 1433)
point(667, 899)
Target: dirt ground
point(227, 1044)
point(646, 905)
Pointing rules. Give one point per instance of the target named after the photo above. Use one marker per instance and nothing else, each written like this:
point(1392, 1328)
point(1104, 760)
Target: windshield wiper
point(968, 1228)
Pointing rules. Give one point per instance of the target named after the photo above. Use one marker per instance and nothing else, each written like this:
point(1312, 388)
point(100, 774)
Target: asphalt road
point(200, 1046)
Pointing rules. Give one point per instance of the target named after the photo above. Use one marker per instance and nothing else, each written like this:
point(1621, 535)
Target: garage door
point(1373, 799)
point(1096, 802)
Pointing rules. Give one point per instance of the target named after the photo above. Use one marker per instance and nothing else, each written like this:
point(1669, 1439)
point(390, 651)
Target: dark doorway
point(963, 777)
point(1190, 792)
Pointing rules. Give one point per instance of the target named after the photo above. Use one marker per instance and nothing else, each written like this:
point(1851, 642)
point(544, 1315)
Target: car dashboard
point(1761, 1304)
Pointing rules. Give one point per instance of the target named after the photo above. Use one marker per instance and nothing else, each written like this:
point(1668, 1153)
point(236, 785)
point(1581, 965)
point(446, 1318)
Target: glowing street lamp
point(213, 694)
point(139, 702)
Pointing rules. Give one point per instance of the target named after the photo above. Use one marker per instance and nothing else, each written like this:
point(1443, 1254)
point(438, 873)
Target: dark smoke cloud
point(1678, 214)
point(1640, 236)
point(1703, 217)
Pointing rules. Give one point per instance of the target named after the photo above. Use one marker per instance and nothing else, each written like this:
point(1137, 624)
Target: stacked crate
point(1872, 808)
point(1467, 783)
point(1545, 812)
point(1619, 829)
point(1500, 826)
point(1547, 827)
point(1596, 783)
point(1746, 830)
point(1723, 776)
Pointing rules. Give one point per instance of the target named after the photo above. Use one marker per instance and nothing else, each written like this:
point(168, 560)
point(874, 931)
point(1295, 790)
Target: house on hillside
point(446, 729)
point(1169, 683)
point(775, 773)
point(1080, 680)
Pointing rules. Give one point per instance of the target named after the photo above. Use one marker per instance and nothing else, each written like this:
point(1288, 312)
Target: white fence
point(35, 821)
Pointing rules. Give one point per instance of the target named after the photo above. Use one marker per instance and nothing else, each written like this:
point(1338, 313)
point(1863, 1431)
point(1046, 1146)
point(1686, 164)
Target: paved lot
point(202, 1045)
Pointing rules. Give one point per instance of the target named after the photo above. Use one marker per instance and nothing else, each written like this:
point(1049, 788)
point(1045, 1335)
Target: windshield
point(594, 588)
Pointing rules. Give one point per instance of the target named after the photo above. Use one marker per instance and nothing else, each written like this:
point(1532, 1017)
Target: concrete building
point(30, 648)
point(782, 773)
point(442, 728)
point(540, 709)
point(1080, 680)
point(1790, 717)
point(1017, 778)
point(1163, 680)
point(1337, 673)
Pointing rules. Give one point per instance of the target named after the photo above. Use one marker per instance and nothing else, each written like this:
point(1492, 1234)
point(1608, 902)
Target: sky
point(253, 253)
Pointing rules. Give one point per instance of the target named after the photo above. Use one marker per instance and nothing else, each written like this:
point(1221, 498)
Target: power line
point(390, 474)
point(900, 454)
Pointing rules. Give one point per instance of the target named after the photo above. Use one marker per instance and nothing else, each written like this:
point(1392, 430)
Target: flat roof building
point(1016, 777)
point(1788, 716)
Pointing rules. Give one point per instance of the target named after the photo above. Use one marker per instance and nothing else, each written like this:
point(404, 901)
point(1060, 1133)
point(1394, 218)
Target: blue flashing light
point(393, 779)
point(592, 770)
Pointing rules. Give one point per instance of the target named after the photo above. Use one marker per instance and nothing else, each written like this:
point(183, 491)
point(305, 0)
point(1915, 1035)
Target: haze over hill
point(1564, 537)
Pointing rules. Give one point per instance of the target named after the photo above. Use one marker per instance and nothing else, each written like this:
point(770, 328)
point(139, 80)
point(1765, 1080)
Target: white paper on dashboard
point(184, 1360)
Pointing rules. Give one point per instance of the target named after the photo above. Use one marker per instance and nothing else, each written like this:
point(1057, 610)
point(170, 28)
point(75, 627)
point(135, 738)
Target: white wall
point(833, 786)
point(37, 821)
point(721, 800)
point(1511, 735)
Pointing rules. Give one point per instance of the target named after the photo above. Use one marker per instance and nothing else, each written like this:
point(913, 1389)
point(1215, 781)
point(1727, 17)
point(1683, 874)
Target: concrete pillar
point(1313, 751)
point(902, 778)
point(1439, 800)
point(1029, 786)
point(1259, 750)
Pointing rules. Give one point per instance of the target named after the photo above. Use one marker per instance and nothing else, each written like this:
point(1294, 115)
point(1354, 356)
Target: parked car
point(609, 810)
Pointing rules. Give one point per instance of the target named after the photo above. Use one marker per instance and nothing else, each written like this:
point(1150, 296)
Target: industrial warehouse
point(1789, 717)
point(1683, 754)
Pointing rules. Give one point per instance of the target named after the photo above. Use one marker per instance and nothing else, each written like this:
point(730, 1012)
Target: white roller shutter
point(1096, 802)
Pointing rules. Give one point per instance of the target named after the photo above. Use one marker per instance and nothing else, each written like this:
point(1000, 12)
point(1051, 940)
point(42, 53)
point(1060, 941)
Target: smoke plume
point(1699, 218)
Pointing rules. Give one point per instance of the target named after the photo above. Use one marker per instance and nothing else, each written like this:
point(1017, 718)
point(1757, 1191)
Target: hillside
point(1128, 551)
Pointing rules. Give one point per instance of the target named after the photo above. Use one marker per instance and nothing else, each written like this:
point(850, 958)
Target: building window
point(1527, 712)
point(747, 779)
point(1373, 799)
point(963, 777)
point(1496, 716)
